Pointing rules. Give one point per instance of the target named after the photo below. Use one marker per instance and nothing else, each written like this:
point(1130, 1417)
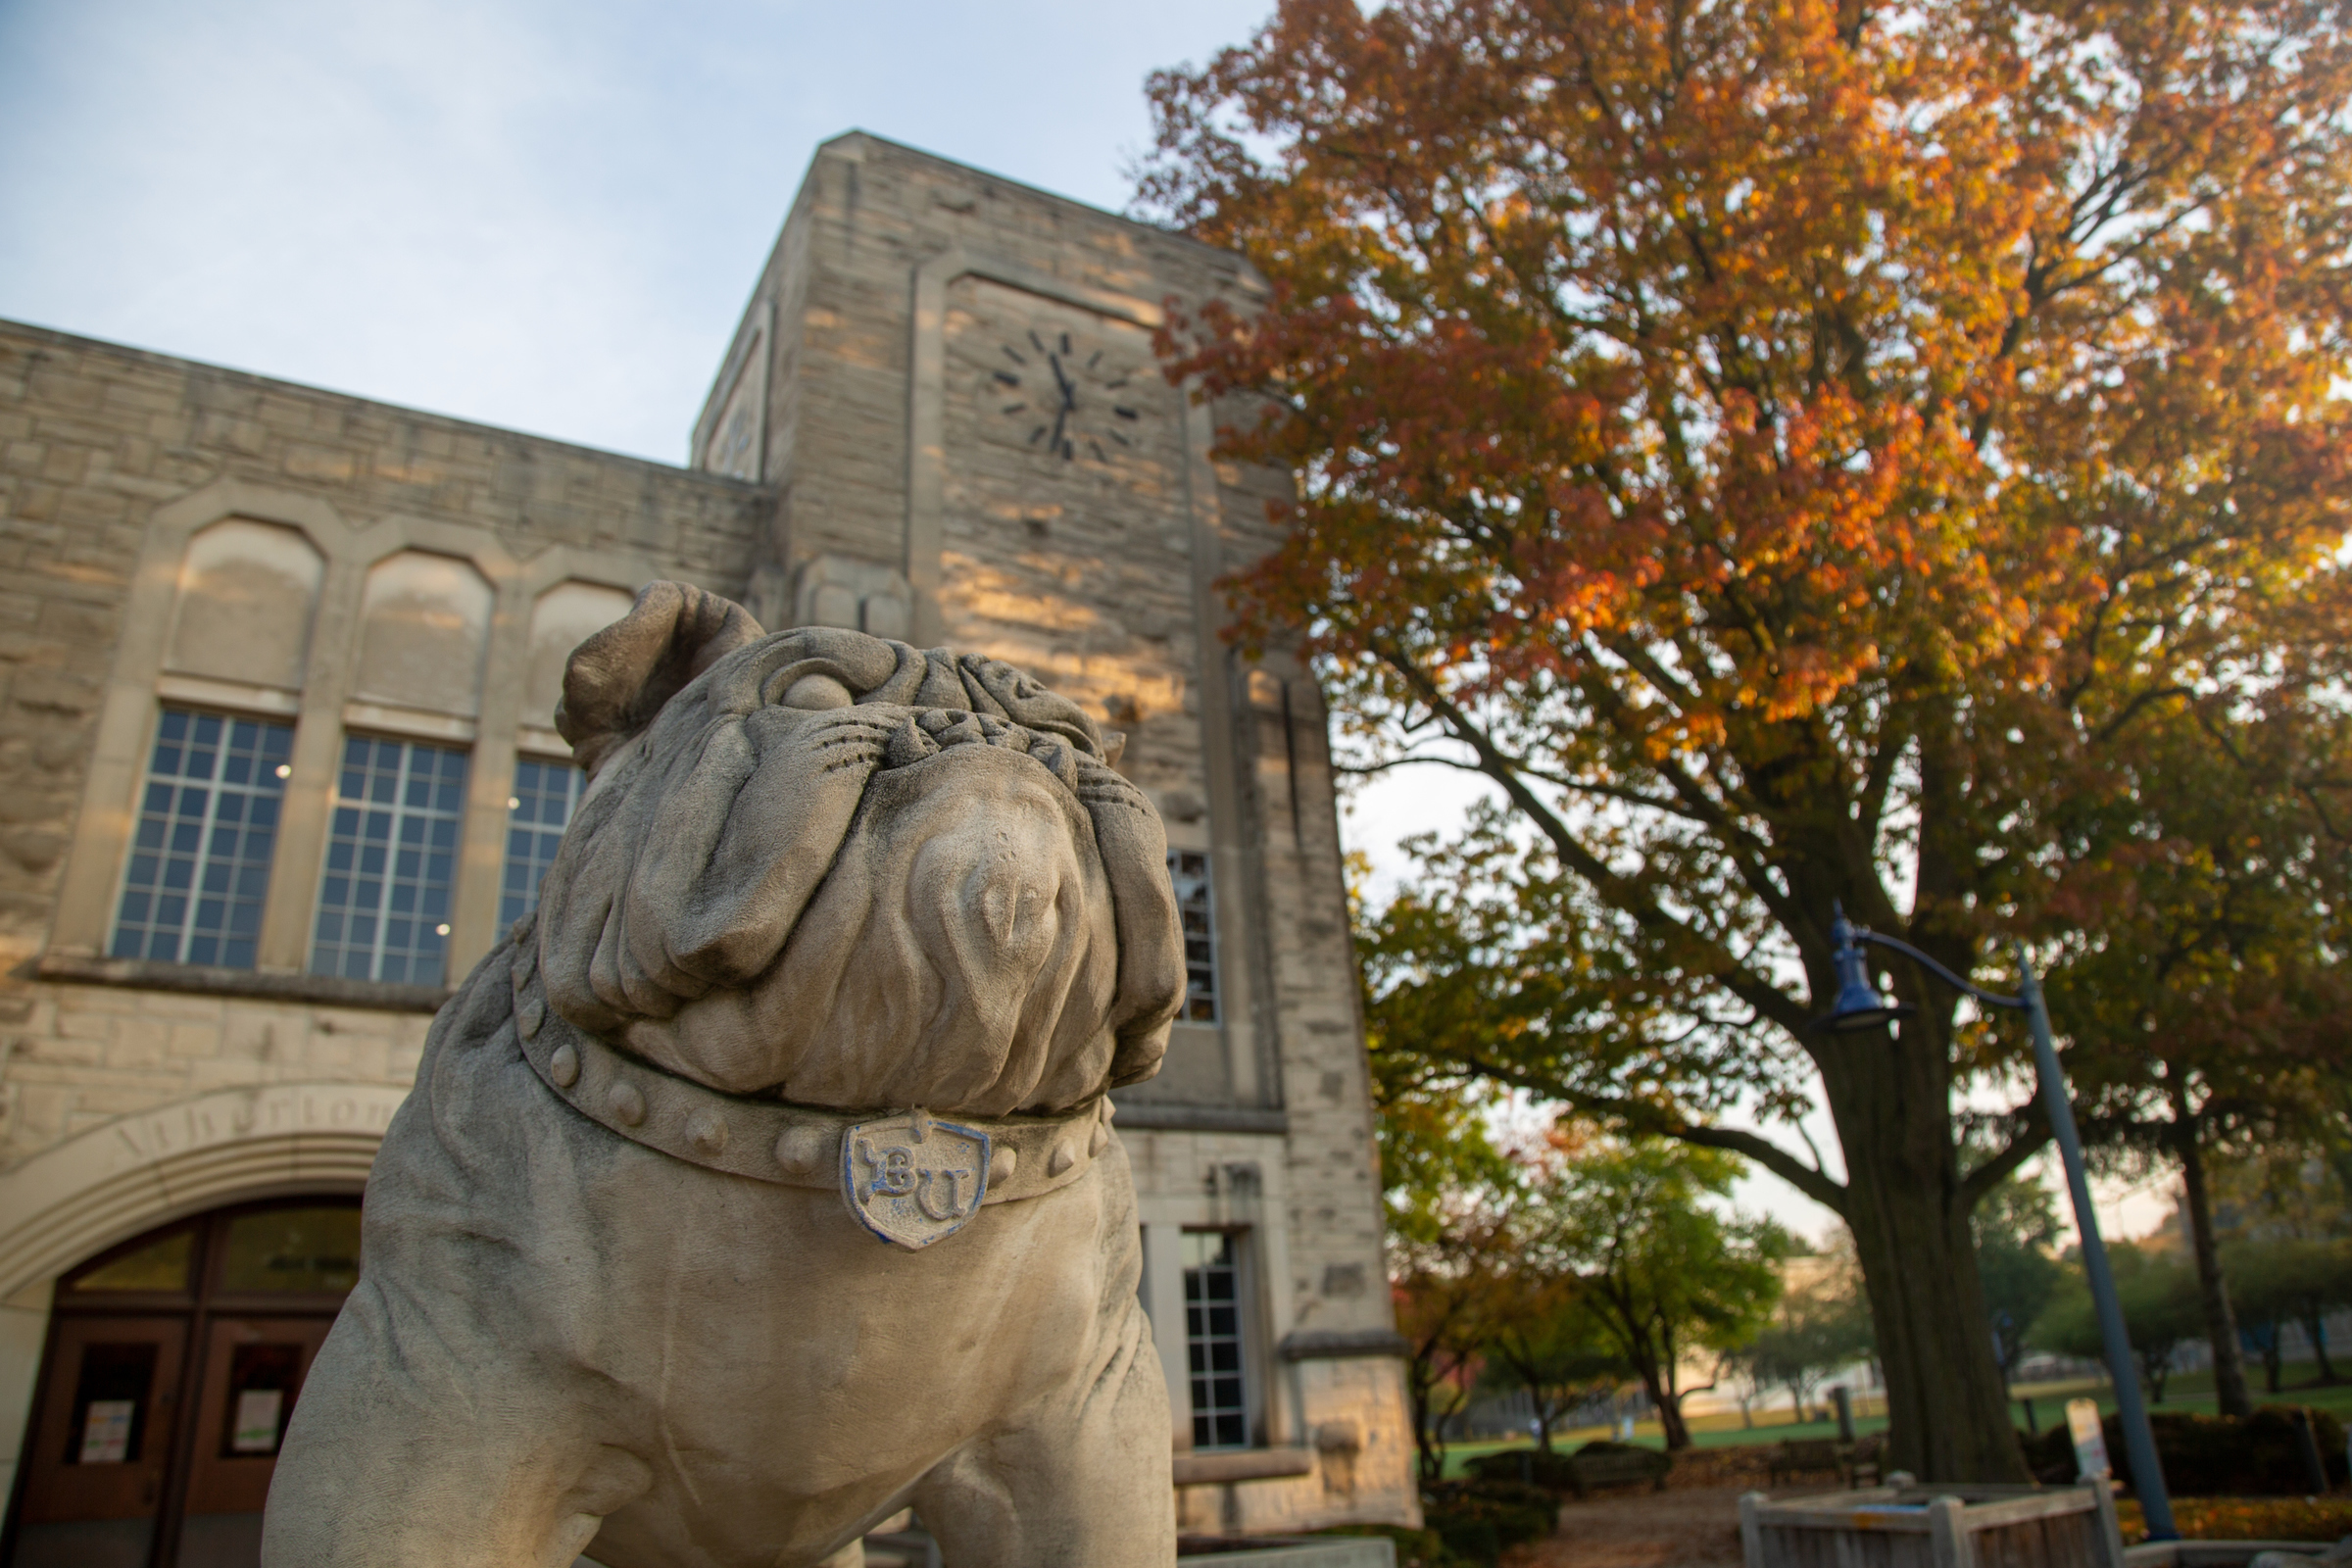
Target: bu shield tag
point(913, 1180)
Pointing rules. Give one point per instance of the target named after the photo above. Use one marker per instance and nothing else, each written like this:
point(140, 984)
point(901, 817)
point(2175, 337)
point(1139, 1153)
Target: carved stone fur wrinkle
point(843, 948)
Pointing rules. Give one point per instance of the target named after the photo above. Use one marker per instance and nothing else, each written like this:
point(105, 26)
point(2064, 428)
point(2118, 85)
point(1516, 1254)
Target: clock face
point(1067, 398)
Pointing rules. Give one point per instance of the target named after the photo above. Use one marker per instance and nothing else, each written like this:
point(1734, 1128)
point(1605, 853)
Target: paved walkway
point(1694, 1524)
point(1697, 1527)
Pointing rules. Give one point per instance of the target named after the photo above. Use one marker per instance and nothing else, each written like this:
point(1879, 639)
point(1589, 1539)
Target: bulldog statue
point(763, 1184)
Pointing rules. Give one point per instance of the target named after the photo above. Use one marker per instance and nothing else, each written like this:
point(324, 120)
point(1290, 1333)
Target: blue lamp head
point(1858, 1004)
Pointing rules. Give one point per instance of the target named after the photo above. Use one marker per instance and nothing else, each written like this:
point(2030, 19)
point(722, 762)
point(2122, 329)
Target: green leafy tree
point(1790, 448)
point(1430, 1112)
point(2284, 1212)
point(1816, 1330)
point(2206, 997)
point(2158, 1293)
point(2017, 1232)
point(2299, 1280)
point(1666, 1274)
point(1542, 1337)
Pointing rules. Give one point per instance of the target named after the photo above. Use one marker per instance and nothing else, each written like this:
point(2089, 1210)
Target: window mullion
point(204, 842)
point(392, 839)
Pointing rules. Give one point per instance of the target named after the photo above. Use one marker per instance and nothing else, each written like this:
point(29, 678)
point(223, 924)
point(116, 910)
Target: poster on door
point(255, 1430)
point(105, 1431)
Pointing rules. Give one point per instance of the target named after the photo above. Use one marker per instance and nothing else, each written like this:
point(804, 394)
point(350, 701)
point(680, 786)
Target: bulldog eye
point(816, 692)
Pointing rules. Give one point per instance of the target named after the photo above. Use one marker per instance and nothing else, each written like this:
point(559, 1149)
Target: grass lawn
point(2183, 1390)
point(1650, 1434)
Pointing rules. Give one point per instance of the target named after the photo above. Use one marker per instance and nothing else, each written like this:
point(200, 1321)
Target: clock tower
point(945, 381)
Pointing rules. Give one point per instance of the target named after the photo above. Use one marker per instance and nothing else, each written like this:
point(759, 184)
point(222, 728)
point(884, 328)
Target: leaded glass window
point(199, 865)
point(391, 855)
point(1188, 872)
point(545, 794)
point(1213, 1338)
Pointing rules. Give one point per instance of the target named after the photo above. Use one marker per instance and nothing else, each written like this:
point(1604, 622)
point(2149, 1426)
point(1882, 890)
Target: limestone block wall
point(856, 463)
point(124, 1105)
point(96, 440)
point(915, 305)
point(872, 223)
point(1361, 1437)
point(1283, 742)
point(83, 1055)
point(1338, 1422)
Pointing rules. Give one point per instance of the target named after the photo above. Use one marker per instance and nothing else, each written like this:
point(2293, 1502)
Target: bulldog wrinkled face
point(851, 874)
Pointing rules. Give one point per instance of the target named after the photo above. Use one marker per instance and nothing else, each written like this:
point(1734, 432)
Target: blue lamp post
point(1858, 1006)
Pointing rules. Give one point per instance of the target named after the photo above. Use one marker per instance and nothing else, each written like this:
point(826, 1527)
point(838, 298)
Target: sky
point(548, 217)
point(537, 215)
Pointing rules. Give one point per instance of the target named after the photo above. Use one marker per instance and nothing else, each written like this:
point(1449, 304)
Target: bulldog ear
point(618, 679)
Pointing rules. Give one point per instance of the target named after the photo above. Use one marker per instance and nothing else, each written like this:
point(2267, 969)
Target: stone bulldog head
point(842, 871)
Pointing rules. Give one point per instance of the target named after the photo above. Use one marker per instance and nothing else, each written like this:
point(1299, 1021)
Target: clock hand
point(1069, 392)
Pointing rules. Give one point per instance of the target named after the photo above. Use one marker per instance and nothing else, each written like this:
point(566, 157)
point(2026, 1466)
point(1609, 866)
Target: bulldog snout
point(995, 865)
point(1008, 898)
point(997, 898)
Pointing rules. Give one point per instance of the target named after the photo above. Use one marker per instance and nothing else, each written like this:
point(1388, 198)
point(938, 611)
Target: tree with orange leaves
point(1789, 449)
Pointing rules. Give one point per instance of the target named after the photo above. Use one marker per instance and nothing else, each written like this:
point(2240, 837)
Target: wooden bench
point(1620, 1467)
point(1940, 1526)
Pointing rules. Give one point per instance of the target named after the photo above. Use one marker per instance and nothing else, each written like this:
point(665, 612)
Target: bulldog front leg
point(1083, 1483)
point(407, 1448)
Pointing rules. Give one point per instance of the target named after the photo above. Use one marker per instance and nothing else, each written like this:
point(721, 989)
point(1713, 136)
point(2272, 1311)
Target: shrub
point(1479, 1519)
point(1602, 1445)
point(1532, 1467)
point(2209, 1455)
point(1553, 1472)
point(2249, 1518)
point(1467, 1539)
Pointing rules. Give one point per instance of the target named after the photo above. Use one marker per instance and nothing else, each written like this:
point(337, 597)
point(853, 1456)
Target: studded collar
point(768, 1140)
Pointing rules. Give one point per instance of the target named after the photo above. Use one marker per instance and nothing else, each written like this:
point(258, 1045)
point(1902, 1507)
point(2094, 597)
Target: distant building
point(277, 765)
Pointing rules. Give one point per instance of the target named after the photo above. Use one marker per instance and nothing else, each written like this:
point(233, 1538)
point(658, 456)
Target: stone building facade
point(277, 765)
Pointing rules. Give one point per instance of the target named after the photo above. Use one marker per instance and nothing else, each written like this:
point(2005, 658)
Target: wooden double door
point(172, 1366)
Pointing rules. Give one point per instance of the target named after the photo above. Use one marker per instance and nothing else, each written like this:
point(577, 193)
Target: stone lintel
point(333, 991)
point(1155, 1116)
point(1343, 1345)
point(1247, 1464)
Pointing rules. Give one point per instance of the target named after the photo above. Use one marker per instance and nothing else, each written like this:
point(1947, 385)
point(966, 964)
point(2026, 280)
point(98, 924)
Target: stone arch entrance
point(173, 1365)
point(186, 1176)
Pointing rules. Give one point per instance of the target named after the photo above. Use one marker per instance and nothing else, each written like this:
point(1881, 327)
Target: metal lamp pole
point(1860, 1007)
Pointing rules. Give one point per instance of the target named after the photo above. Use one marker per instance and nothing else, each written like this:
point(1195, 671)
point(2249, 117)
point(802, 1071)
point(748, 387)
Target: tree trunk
point(2315, 1329)
point(1670, 1417)
point(1656, 1381)
point(1422, 1380)
point(1433, 1464)
point(2212, 1291)
point(1947, 1413)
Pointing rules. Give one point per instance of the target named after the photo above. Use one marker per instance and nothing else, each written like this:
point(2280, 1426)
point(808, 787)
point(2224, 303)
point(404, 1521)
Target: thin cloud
point(538, 215)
